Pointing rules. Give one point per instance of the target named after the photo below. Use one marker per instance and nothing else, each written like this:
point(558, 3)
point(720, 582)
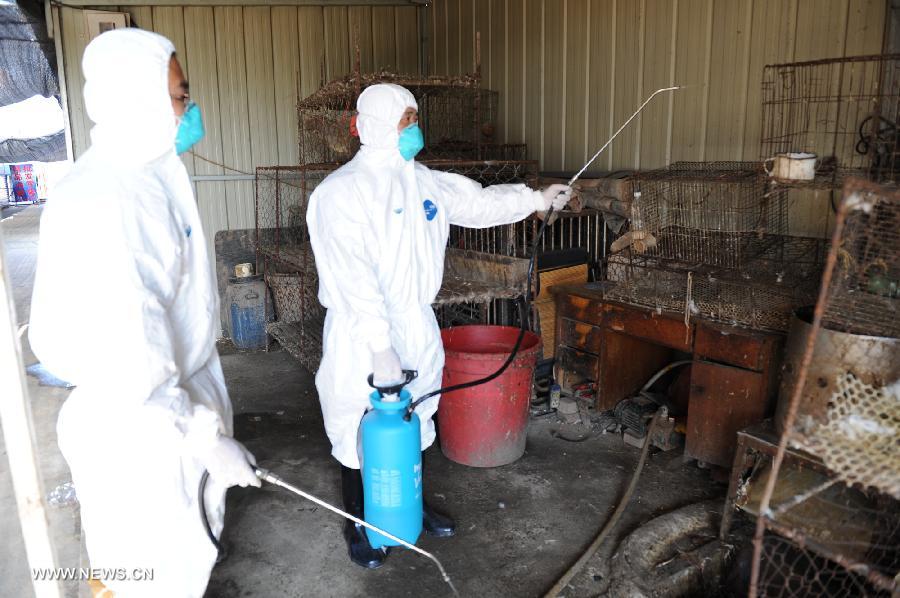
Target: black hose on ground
point(661, 413)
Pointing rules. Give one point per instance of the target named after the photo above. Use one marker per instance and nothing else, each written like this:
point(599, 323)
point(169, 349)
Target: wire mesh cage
point(840, 405)
point(456, 117)
point(845, 110)
point(715, 213)
point(760, 296)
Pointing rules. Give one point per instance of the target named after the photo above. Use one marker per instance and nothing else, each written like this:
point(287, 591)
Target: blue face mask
point(190, 129)
point(411, 141)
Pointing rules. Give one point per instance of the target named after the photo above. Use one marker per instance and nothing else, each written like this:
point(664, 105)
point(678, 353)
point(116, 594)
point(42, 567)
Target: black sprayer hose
point(201, 500)
point(524, 328)
point(515, 350)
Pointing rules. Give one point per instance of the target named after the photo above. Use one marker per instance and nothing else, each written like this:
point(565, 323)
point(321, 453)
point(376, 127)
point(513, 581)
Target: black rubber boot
point(435, 524)
point(361, 552)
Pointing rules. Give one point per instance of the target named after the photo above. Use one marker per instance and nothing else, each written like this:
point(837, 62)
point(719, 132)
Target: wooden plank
point(690, 104)
point(772, 33)
point(200, 50)
point(286, 65)
point(646, 324)
point(360, 20)
point(629, 26)
point(723, 401)
point(384, 41)
point(626, 363)
point(601, 49)
point(513, 111)
point(235, 120)
point(454, 25)
point(407, 33)
point(440, 41)
point(865, 29)
point(576, 55)
point(654, 120)
point(553, 94)
point(734, 346)
point(467, 35)
point(727, 80)
point(311, 27)
point(579, 308)
point(482, 17)
point(337, 42)
point(534, 78)
point(260, 86)
point(74, 38)
point(498, 55)
point(580, 335)
point(821, 29)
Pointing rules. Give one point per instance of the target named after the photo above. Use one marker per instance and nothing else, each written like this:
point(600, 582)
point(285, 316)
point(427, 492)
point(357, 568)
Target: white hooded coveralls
point(125, 307)
point(379, 227)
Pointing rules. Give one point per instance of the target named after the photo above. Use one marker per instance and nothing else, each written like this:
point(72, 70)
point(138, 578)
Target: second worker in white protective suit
point(137, 333)
point(379, 227)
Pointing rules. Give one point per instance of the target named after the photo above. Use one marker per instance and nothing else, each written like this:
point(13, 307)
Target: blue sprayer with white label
point(391, 461)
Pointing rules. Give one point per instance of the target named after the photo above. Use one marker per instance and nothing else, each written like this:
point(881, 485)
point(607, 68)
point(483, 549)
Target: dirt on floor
point(520, 526)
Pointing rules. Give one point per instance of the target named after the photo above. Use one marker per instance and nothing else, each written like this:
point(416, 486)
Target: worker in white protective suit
point(379, 227)
point(125, 307)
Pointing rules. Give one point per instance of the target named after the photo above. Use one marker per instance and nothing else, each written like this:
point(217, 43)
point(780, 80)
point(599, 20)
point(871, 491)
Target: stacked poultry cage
point(829, 511)
point(456, 118)
point(710, 239)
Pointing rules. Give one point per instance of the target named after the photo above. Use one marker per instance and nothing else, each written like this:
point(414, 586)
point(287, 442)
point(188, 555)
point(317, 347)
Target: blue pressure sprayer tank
point(391, 461)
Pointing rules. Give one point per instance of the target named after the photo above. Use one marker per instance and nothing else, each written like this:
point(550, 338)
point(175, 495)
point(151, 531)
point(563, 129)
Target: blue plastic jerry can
point(391, 463)
point(247, 311)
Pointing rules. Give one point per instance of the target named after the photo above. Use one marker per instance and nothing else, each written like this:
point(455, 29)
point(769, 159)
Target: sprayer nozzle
point(266, 475)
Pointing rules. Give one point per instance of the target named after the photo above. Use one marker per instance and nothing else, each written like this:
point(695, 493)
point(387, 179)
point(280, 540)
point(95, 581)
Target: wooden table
point(732, 378)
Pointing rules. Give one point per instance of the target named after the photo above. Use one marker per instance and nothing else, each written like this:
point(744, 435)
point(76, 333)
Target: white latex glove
point(386, 367)
point(555, 196)
point(229, 462)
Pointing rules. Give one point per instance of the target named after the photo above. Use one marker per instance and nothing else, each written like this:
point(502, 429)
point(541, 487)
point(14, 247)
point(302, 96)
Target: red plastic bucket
point(486, 425)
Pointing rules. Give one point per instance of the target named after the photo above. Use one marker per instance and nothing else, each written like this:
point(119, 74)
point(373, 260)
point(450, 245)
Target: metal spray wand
point(267, 476)
point(552, 215)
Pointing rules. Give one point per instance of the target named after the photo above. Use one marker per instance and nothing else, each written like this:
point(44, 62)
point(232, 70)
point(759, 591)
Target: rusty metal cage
point(783, 276)
point(713, 213)
point(840, 409)
point(456, 117)
point(845, 110)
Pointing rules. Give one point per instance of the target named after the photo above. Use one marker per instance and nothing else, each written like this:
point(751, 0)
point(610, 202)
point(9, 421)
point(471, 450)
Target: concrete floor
point(520, 526)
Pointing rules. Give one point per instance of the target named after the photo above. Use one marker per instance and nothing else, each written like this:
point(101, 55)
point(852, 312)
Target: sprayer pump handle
point(394, 389)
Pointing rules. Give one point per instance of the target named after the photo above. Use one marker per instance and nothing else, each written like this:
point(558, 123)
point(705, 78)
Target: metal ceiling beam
point(105, 3)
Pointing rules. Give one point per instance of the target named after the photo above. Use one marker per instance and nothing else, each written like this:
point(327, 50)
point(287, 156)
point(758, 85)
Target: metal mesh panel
point(840, 403)
point(708, 212)
point(456, 118)
point(783, 277)
point(846, 110)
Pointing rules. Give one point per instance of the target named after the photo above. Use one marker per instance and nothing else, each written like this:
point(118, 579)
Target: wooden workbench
point(733, 377)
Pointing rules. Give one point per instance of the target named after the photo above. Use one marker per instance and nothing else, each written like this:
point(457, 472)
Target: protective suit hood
point(126, 93)
point(380, 108)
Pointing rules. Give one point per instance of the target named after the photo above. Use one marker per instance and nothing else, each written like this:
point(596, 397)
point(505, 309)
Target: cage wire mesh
point(714, 244)
point(714, 213)
point(456, 117)
point(842, 409)
point(845, 110)
point(288, 263)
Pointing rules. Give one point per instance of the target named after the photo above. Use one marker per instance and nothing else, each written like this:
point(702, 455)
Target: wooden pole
point(18, 434)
